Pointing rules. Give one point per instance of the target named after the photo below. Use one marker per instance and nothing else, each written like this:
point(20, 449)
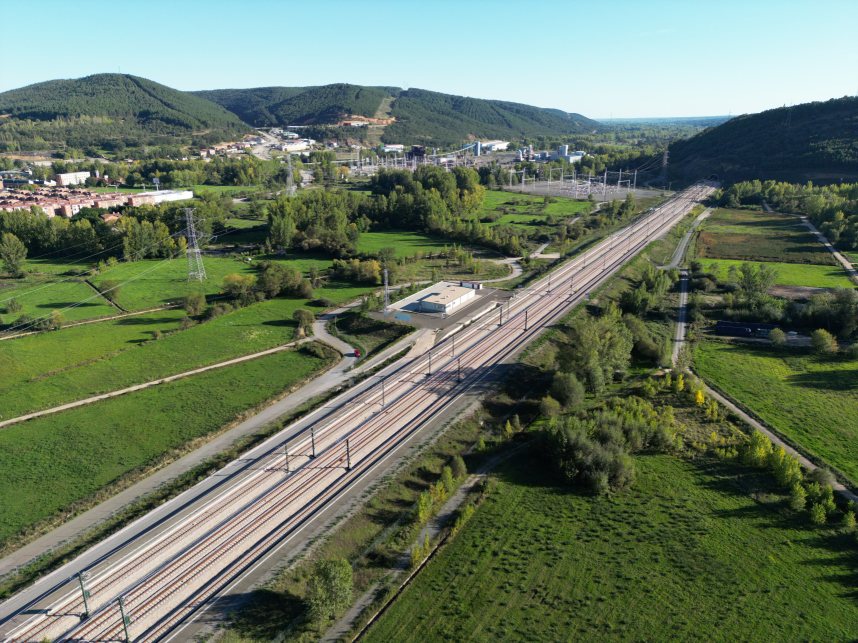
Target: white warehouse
point(448, 299)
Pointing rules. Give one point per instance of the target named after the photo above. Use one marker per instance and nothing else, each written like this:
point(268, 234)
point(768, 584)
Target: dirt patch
point(796, 292)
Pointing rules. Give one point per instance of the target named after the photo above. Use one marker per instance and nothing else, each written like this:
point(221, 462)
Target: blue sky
point(626, 59)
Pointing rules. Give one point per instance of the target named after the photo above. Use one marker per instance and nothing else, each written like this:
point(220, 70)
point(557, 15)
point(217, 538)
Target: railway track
point(171, 576)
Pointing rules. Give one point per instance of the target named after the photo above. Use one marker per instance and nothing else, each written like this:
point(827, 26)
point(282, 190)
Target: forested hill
point(430, 118)
point(421, 116)
point(269, 106)
point(813, 141)
point(96, 110)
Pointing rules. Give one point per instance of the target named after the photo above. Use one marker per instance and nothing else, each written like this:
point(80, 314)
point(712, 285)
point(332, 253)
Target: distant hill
point(430, 118)
point(281, 106)
point(422, 117)
point(813, 141)
point(104, 107)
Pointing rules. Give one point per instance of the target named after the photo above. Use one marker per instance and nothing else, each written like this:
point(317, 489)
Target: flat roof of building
point(450, 293)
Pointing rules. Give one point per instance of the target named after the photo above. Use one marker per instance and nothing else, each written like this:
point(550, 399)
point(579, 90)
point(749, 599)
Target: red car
point(357, 353)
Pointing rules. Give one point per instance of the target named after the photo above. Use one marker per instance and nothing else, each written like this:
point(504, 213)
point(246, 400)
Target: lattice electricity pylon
point(196, 269)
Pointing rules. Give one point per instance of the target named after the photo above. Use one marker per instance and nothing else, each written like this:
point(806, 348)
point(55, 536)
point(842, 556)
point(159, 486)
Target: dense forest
point(817, 141)
point(109, 111)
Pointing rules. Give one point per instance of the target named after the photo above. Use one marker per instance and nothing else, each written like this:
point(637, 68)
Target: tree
point(304, 318)
point(12, 252)
point(683, 359)
point(849, 521)
point(110, 289)
point(194, 303)
point(305, 289)
point(329, 590)
point(597, 348)
point(566, 389)
point(387, 254)
point(507, 431)
point(817, 514)
point(777, 337)
point(56, 320)
point(447, 480)
point(549, 407)
point(823, 342)
point(797, 497)
point(238, 285)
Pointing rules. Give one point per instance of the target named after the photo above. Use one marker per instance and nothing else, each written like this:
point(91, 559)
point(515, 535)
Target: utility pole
point(286, 455)
point(348, 456)
point(85, 593)
point(454, 345)
point(313, 441)
point(525, 319)
point(459, 360)
point(382, 393)
point(125, 620)
point(430, 362)
point(196, 269)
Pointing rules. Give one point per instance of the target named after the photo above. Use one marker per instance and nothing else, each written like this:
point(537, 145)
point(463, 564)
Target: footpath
point(681, 329)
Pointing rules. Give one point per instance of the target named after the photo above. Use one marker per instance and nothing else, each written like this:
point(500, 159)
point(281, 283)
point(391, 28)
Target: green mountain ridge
point(812, 141)
point(98, 109)
point(422, 116)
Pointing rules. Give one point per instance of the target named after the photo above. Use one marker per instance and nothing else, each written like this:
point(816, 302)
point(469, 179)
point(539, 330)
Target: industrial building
point(72, 178)
point(495, 146)
point(448, 299)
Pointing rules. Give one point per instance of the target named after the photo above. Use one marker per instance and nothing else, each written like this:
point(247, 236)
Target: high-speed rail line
point(166, 577)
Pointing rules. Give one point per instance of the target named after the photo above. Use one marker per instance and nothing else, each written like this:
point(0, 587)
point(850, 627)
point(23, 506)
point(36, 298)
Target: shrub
point(852, 351)
point(324, 302)
point(13, 306)
point(849, 521)
point(305, 289)
point(458, 468)
point(329, 590)
point(109, 289)
point(777, 337)
point(156, 334)
point(185, 323)
point(823, 342)
point(823, 477)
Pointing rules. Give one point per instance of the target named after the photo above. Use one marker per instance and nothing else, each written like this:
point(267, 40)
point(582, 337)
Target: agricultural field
point(810, 399)
point(39, 296)
point(789, 274)
point(46, 370)
point(78, 452)
point(759, 236)
point(659, 562)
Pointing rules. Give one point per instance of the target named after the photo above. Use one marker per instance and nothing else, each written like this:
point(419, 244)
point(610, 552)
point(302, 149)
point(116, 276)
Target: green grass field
point(685, 555)
point(47, 370)
point(39, 296)
point(75, 453)
point(375, 335)
point(759, 236)
point(241, 224)
point(525, 211)
point(791, 274)
point(812, 400)
point(153, 282)
point(405, 242)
